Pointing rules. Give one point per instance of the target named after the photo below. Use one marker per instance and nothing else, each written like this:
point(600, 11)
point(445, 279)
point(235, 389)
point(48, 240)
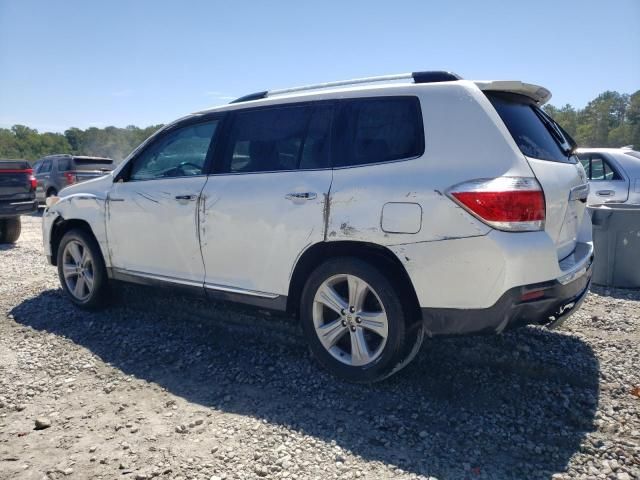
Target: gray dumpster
point(616, 240)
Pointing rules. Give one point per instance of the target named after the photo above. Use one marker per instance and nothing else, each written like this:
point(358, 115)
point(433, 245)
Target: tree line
point(27, 143)
point(612, 119)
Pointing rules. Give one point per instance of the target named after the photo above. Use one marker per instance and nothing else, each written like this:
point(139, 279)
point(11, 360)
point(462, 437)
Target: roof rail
point(418, 77)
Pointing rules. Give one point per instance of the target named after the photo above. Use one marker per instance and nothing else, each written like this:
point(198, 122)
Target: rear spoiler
point(538, 94)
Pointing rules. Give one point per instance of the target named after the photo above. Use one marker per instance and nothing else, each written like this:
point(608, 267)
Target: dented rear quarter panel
point(451, 113)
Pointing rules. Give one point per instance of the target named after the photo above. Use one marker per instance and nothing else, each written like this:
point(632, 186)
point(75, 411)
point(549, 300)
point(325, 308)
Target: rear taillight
point(70, 177)
point(33, 183)
point(513, 204)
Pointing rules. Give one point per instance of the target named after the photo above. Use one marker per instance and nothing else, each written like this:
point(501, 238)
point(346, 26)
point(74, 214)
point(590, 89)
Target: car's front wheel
point(81, 269)
point(354, 320)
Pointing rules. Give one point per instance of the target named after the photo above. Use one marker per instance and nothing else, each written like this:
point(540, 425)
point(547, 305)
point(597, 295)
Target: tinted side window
point(179, 153)
point(527, 128)
point(45, 167)
point(280, 138)
point(64, 164)
point(598, 168)
point(380, 130)
point(317, 144)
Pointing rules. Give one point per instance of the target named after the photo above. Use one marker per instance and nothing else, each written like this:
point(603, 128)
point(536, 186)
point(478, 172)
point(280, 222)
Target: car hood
point(97, 186)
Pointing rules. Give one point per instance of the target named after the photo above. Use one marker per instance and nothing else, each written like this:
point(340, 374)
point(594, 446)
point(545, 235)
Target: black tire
point(405, 333)
point(99, 294)
point(10, 229)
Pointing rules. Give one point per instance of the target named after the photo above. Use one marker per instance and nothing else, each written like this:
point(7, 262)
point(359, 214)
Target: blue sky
point(117, 62)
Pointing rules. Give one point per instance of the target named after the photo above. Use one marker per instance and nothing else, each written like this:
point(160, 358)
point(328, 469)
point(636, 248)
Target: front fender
point(86, 208)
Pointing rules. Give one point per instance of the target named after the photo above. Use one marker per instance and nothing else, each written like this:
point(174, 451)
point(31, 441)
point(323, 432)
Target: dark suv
point(17, 197)
point(55, 172)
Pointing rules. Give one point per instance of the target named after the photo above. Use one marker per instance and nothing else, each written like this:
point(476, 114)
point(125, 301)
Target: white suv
point(376, 210)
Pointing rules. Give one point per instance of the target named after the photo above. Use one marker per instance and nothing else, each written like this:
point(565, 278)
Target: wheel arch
point(62, 226)
point(377, 255)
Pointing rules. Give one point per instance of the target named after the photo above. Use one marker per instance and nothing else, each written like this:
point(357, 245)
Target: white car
point(614, 174)
point(377, 210)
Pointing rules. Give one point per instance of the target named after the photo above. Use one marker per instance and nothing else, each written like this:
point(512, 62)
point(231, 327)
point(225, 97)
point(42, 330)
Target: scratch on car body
point(326, 210)
point(151, 199)
point(348, 230)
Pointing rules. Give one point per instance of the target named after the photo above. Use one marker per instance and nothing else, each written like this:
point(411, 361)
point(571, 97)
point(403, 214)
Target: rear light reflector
point(532, 295)
point(33, 182)
point(512, 204)
point(70, 177)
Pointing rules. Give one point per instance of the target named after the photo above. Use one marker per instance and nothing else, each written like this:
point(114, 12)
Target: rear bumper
point(550, 304)
point(17, 207)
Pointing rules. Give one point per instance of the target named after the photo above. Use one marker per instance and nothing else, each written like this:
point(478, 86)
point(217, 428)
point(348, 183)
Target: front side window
point(377, 130)
point(598, 168)
point(279, 138)
point(45, 167)
point(179, 153)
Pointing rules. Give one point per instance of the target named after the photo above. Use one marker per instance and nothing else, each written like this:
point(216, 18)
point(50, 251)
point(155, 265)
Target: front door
point(608, 185)
point(152, 221)
point(268, 203)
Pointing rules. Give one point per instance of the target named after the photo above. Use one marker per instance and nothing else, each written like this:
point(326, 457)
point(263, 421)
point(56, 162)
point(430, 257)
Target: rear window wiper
point(556, 132)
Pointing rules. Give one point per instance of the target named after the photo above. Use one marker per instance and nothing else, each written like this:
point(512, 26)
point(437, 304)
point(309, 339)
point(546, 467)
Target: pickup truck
point(17, 197)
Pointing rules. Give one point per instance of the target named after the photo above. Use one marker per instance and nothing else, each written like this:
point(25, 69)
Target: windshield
point(536, 134)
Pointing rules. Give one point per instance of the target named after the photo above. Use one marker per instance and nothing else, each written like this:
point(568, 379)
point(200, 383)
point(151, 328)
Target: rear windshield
point(93, 164)
point(535, 133)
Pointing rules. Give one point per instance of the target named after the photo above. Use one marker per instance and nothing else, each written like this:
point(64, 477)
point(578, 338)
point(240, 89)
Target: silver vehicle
point(375, 210)
point(614, 174)
point(54, 172)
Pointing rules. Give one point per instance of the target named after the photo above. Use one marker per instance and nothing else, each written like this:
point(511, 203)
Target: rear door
point(266, 204)
point(609, 184)
point(547, 149)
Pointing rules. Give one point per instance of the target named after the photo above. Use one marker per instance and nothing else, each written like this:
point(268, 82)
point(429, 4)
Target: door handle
point(301, 196)
point(186, 197)
point(605, 193)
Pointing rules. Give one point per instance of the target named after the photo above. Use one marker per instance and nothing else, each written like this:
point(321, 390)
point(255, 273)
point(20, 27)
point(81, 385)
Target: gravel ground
point(165, 386)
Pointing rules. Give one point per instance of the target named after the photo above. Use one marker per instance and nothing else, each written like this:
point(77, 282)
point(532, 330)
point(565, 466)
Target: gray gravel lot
point(166, 386)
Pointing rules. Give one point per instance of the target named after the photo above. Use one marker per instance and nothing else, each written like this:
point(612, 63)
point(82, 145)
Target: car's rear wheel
point(82, 270)
point(354, 320)
point(10, 229)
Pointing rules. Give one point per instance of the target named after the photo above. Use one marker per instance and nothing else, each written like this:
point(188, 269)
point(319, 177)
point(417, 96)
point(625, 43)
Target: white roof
point(538, 94)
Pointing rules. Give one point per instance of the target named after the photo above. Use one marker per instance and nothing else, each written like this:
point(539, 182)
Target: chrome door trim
point(241, 291)
point(190, 283)
point(153, 276)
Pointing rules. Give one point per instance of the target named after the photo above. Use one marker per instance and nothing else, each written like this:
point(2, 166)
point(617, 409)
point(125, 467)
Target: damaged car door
point(152, 221)
point(266, 202)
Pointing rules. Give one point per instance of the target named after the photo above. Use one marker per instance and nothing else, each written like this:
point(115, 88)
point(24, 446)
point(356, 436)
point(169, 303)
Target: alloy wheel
point(350, 320)
point(77, 268)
